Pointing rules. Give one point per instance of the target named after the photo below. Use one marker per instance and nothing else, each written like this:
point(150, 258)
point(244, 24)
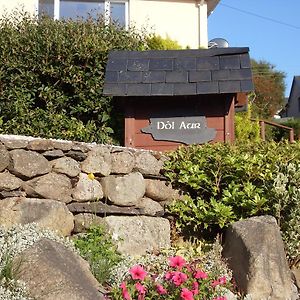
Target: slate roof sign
point(178, 72)
point(174, 97)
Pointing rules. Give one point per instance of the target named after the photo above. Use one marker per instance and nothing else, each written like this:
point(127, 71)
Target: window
point(115, 10)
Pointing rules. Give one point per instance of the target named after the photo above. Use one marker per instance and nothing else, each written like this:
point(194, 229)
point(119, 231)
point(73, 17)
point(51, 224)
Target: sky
point(270, 28)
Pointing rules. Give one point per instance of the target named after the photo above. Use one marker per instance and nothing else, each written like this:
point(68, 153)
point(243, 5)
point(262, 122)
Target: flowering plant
point(181, 281)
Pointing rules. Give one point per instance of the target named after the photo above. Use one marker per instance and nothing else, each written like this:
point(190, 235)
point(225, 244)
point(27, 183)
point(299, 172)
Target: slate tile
point(166, 89)
point(195, 76)
point(161, 64)
point(185, 88)
point(208, 63)
point(116, 64)
point(230, 62)
point(140, 89)
point(245, 61)
point(247, 86)
point(229, 86)
point(138, 64)
point(154, 76)
point(220, 75)
point(185, 63)
point(177, 76)
point(112, 89)
point(130, 77)
point(240, 74)
point(210, 87)
point(111, 77)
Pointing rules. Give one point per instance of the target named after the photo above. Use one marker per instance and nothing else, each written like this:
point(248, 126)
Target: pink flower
point(215, 283)
point(140, 288)
point(186, 294)
point(200, 275)
point(195, 289)
point(179, 278)
point(137, 273)
point(161, 290)
point(169, 275)
point(177, 262)
point(222, 280)
point(125, 293)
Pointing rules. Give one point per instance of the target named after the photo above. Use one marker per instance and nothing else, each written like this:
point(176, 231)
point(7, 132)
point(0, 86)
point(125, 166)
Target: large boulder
point(28, 164)
point(53, 272)
point(98, 162)
point(137, 235)
point(124, 190)
point(46, 213)
point(255, 253)
point(50, 186)
point(87, 189)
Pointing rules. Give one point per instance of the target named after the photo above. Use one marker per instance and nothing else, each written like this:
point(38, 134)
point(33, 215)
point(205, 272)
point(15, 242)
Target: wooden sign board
point(186, 130)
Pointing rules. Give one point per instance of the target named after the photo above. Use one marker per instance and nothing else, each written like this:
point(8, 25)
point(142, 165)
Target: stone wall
point(66, 186)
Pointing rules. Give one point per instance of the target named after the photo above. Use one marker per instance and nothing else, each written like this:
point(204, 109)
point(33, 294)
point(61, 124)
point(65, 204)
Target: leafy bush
point(51, 76)
point(97, 247)
point(158, 43)
point(246, 130)
point(224, 183)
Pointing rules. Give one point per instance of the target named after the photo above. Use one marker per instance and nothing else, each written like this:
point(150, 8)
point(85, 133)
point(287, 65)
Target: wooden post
point(262, 130)
point(292, 135)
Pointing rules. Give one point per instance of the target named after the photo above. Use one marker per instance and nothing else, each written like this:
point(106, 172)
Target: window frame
point(107, 4)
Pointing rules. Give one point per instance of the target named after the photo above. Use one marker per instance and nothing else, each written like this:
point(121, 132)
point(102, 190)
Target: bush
point(224, 183)
point(51, 76)
point(97, 247)
point(246, 130)
point(156, 42)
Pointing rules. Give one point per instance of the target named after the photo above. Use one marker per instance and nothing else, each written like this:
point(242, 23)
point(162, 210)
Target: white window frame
point(106, 6)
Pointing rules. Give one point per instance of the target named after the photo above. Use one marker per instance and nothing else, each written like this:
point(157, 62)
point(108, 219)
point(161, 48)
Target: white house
point(182, 20)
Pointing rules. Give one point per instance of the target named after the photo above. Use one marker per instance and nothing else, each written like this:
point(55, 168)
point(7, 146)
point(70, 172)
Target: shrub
point(97, 247)
point(246, 130)
point(51, 76)
point(156, 42)
point(224, 183)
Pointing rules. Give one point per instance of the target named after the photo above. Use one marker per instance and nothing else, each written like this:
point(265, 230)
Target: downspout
point(202, 24)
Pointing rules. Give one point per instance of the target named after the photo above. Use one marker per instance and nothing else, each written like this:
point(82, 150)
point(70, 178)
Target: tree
point(269, 89)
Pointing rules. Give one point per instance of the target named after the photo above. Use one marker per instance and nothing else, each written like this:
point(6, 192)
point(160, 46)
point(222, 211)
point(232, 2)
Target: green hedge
point(51, 77)
point(225, 183)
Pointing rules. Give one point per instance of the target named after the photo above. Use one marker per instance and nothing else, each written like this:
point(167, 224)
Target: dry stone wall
point(67, 186)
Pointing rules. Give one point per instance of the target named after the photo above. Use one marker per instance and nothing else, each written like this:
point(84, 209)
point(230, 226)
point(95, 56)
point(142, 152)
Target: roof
point(211, 5)
point(178, 72)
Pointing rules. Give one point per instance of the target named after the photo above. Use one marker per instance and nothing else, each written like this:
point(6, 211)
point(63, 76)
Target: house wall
point(178, 20)
point(9, 5)
point(293, 104)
